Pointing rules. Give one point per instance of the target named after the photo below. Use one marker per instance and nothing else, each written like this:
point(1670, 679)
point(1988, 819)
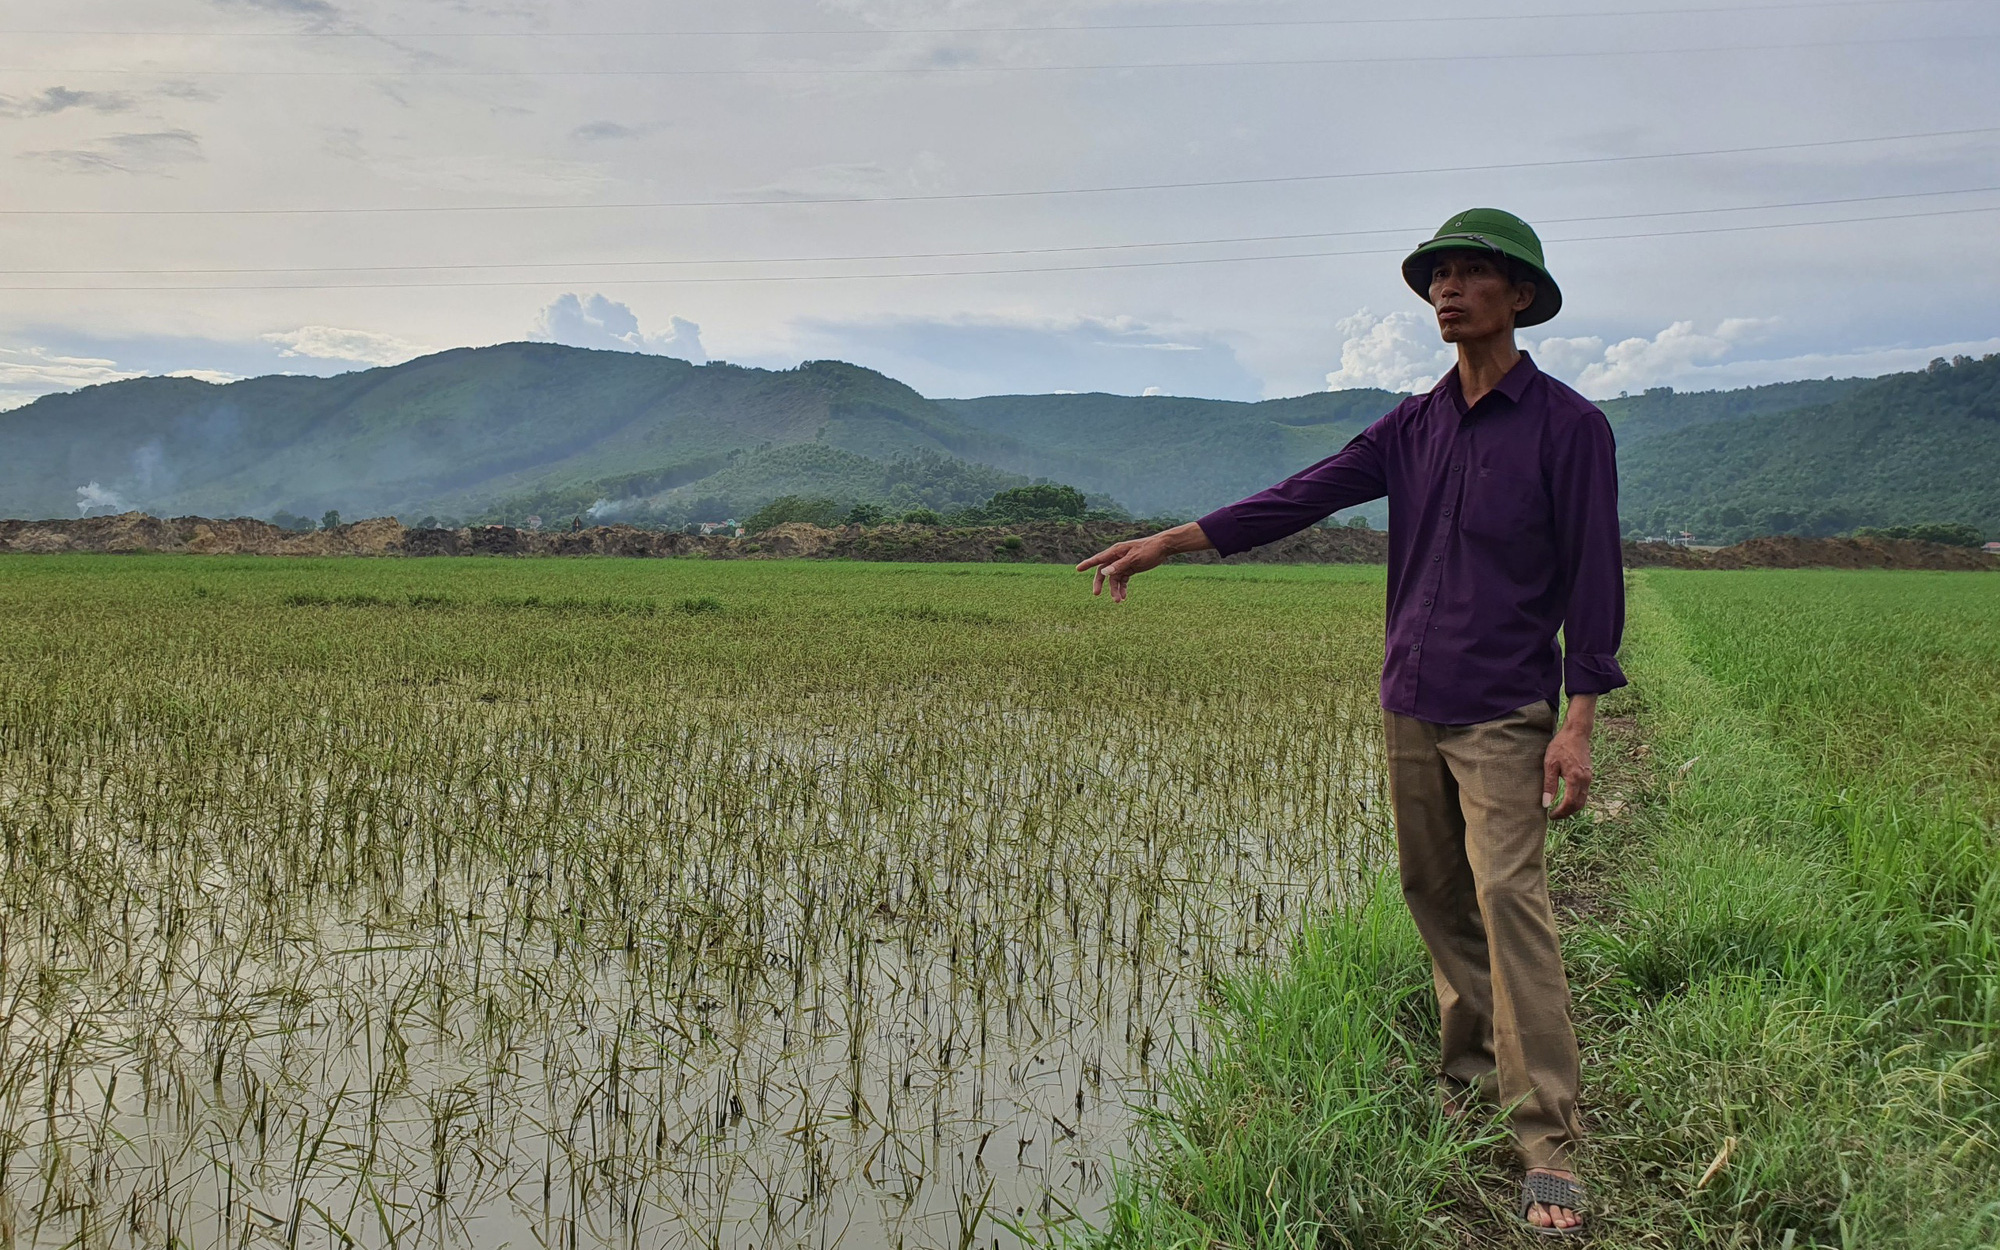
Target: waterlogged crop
point(642, 903)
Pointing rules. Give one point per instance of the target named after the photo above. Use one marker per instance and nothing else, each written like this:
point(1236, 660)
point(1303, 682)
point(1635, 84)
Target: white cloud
point(214, 376)
point(1151, 391)
point(63, 99)
point(1674, 356)
point(150, 152)
point(1689, 359)
point(607, 325)
point(1399, 352)
point(333, 343)
point(27, 375)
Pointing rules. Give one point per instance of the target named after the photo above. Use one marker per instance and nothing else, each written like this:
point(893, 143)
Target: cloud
point(317, 10)
point(333, 343)
point(593, 132)
point(127, 153)
point(63, 99)
point(1687, 358)
point(26, 375)
point(1399, 352)
point(1673, 356)
point(607, 325)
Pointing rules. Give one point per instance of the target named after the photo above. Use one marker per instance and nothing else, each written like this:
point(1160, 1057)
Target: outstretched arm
point(1117, 563)
point(1352, 475)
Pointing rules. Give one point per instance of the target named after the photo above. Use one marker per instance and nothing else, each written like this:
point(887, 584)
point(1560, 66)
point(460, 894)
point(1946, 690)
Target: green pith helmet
point(1489, 230)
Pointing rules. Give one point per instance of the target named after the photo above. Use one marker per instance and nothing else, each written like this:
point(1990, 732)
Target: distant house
point(730, 529)
point(1994, 548)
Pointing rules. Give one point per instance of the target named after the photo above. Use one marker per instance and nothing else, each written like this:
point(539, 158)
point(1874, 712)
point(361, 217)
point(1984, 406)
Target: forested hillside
point(534, 429)
point(1907, 448)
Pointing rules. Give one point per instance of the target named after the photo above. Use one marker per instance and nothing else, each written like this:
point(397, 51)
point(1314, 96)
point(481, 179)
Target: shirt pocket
point(1502, 505)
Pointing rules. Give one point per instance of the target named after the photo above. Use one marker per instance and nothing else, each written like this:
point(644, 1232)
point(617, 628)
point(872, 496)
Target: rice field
point(640, 903)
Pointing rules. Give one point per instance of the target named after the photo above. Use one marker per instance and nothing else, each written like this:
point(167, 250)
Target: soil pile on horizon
point(1039, 542)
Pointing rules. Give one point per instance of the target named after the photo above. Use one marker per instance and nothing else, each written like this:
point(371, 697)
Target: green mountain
point(1662, 409)
point(537, 429)
point(1162, 455)
point(1904, 449)
point(454, 433)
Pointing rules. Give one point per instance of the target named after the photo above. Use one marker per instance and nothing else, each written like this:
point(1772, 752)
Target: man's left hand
point(1568, 762)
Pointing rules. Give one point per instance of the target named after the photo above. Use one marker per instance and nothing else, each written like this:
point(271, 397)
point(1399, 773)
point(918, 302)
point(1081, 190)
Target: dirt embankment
point(1812, 553)
point(1045, 542)
point(1041, 542)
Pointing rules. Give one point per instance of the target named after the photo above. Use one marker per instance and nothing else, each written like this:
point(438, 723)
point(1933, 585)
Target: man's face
point(1473, 296)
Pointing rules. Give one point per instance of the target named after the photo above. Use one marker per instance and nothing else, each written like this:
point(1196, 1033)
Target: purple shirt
point(1503, 528)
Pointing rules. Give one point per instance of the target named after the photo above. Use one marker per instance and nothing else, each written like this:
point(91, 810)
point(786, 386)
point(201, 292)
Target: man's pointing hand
point(1117, 563)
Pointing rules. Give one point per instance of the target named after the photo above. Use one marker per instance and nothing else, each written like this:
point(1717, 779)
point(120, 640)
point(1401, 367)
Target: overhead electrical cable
point(907, 70)
point(1237, 24)
point(959, 273)
point(956, 196)
point(628, 263)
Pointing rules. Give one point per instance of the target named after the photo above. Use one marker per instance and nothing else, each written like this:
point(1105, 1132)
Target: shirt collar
point(1513, 386)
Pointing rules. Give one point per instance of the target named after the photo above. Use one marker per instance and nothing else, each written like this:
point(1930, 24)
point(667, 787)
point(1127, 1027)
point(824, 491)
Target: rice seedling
point(460, 902)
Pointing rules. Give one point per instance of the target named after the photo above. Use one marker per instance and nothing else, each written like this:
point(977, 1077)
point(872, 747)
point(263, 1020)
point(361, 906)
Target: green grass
point(1802, 955)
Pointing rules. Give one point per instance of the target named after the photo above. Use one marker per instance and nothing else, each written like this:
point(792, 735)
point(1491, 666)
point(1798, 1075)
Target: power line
point(960, 273)
point(909, 70)
point(976, 255)
point(1245, 24)
point(954, 196)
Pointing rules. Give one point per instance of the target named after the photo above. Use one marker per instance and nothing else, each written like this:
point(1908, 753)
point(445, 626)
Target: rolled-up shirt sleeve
point(1583, 484)
point(1353, 475)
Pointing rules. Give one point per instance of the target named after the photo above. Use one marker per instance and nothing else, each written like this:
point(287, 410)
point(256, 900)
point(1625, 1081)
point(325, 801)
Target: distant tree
point(1951, 533)
point(711, 508)
point(291, 521)
point(922, 516)
point(786, 509)
point(1044, 501)
point(866, 514)
point(331, 521)
point(1358, 523)
point(428, 523)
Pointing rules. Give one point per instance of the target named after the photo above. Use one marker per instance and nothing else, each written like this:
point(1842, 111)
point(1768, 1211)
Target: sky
point(1206, 198)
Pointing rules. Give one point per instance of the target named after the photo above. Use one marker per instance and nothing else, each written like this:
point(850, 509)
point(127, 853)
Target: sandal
point(1551, 1191)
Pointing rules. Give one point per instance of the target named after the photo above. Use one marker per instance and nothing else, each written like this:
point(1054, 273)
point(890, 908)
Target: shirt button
point(1435, 559)
point(1455, 468)
point(1427, 603)
point(1447, 511)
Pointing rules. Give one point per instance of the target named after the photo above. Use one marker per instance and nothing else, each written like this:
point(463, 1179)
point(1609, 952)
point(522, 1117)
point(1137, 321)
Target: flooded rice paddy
point(661, 904)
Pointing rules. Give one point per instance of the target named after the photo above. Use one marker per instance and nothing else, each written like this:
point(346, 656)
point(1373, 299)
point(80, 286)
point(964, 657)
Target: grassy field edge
point(1788, 995)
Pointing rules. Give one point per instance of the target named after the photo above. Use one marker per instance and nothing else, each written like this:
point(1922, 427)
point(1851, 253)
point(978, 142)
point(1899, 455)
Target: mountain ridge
point(523, 429)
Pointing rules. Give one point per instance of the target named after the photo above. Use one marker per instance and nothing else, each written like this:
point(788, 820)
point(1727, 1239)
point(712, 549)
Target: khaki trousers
point(1470, 833)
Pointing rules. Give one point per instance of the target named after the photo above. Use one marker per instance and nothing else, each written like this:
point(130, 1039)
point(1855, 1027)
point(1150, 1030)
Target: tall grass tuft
point(1312, 1121)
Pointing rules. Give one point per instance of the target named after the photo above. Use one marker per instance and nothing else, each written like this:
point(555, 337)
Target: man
point(1503, 529)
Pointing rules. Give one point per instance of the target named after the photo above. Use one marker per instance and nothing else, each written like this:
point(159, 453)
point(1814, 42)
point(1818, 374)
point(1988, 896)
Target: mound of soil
point(1047, 542)
point(1849, 553)
point(1040, 542)
point(1812, 553)
point(1663, 556)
